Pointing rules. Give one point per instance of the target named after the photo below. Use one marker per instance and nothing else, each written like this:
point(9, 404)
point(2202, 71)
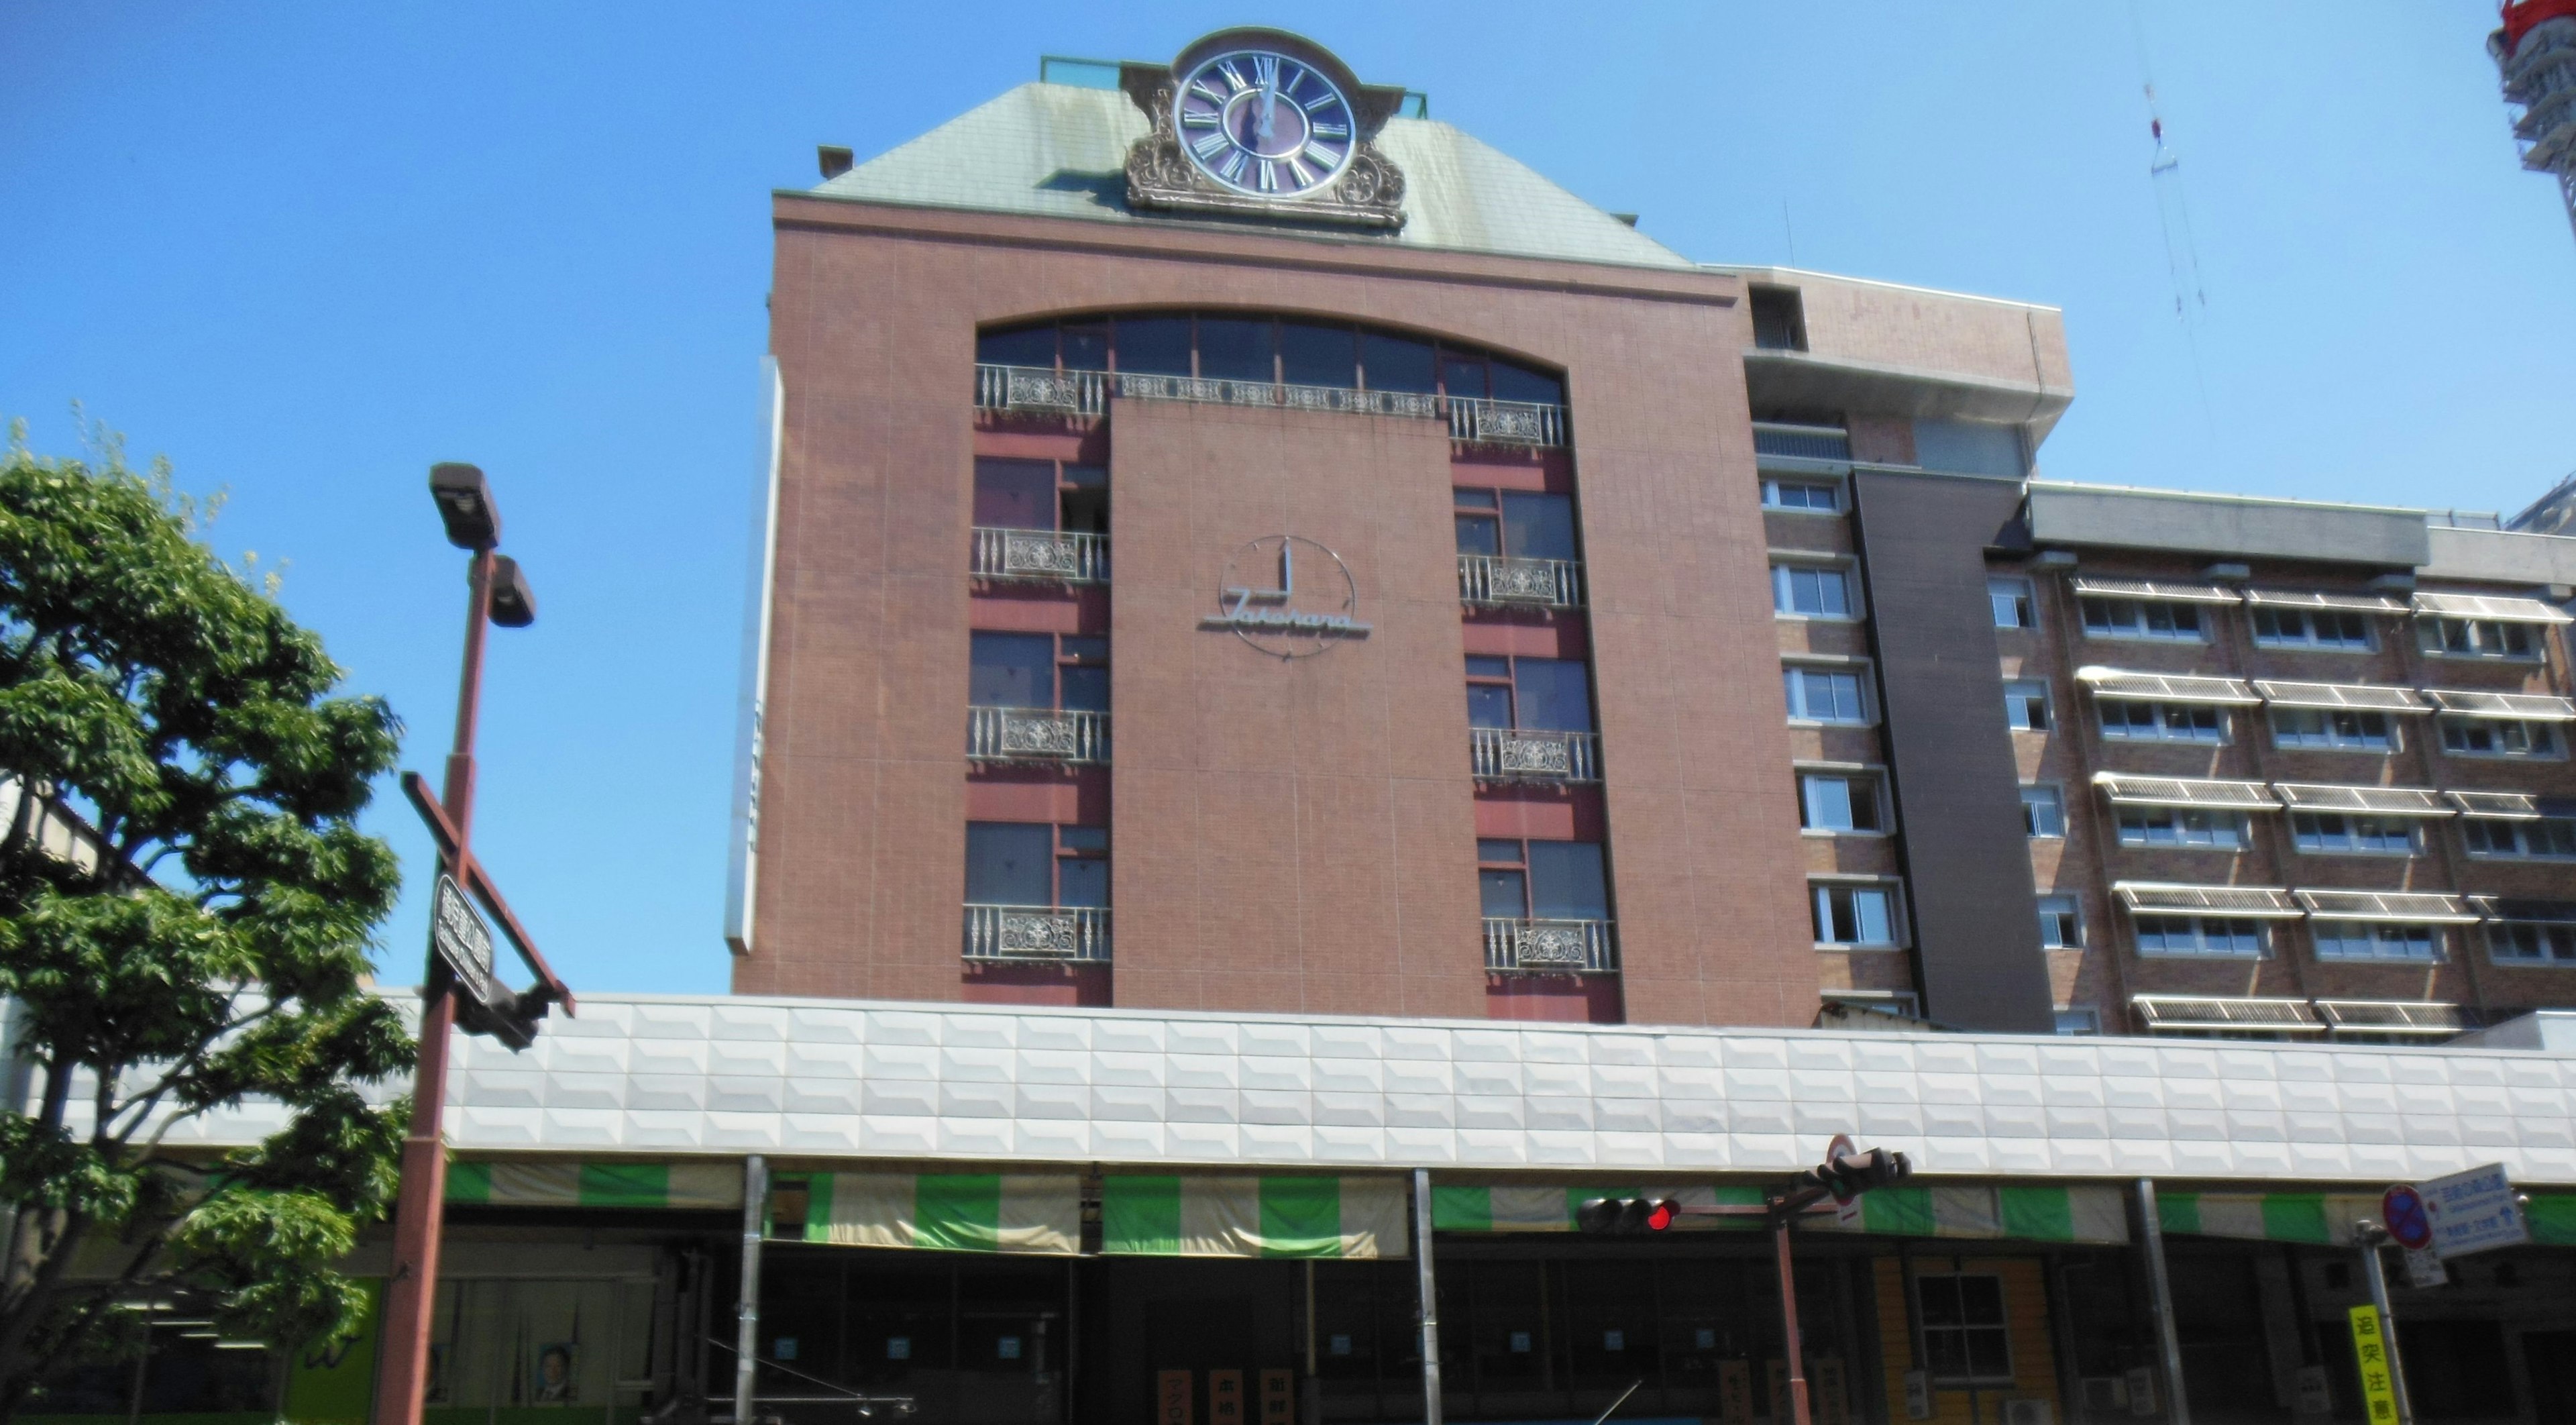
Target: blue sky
point(306, 250)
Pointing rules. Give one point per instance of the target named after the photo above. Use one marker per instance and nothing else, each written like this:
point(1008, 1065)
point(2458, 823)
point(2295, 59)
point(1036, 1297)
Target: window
point(2141, 618)
point(1839, 801)
point(2217, 936)
point(2532, 942)
point(1029, 864)
point(1052, 671)
point(2129, 720)
point(1532, 694)
point(1855, 916)
point(1968, 447)
point(1260, 349)
point(2043, 811)
point(2334, 832)
point(2375, 940)
point(2061, 923)
point(2341, 729)
point(2181, 826)
point(2079, 1021)
point(2475, 638)
point(1041, 494)
point(2498, 737)
point(2276, 627)
point(1811, 591)
point(1542, 880)
point(2546, 839)
point(1824, 695)
point(1515, 525)
point(1821, 497)
point(2026, 705)
point(1779, 319)
point(2012, 602)
point(1964, 1338)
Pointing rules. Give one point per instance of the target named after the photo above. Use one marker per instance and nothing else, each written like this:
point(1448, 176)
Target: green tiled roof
point(1057, 151)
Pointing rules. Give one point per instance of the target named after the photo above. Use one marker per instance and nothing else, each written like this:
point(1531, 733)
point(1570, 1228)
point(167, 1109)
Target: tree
point(200, 937)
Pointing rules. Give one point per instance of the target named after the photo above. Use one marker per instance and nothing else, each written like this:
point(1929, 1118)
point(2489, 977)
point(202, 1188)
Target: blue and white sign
point(2473, 1211)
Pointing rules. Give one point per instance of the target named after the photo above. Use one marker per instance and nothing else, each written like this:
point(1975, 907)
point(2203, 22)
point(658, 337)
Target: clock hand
point(1269, 107)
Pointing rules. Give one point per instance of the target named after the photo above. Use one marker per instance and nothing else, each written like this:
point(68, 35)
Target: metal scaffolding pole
point(1430, 1296)
point(2169, 1345)
point(746, 1341)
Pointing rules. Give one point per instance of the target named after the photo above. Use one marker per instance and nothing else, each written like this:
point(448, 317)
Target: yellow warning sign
point(2370, 1350)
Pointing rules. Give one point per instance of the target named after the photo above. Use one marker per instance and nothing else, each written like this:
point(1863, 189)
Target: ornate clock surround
point(1369, 192)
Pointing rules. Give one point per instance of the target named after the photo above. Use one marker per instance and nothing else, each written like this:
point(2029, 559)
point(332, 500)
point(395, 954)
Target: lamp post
point(498, 593)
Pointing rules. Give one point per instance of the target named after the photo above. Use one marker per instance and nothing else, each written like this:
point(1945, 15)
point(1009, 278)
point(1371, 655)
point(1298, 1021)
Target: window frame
point(2307, 641)
point(2237, 821)
point(2074, 1014)
point(2016, 702)
point(1859, 671)
point(2070, 918)
point(2330, 737)
point(2054, 799)
point(2163, 722)
point(1065, 659)
point(2433, 638)
point(1866, 775)
point(1068, 841)
point(2447, 722)
point(1523, 868)
point(2201, 939)
point(1820, 916)
point(1792, 562)
point(2484, 828)
point(2544, 932)
point(2374, 932)
point(1511, 684)
point(1772, 485)
point(2000, 1329)
point(2312, 843)
point(2023, 593)
point(2143, 630)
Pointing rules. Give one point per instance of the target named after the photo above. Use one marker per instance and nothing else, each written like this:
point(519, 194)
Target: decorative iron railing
point(1037, 735)
point(1064, 934)
point(1066, 556)
point(1550, 947)
point(1033, 390)
point(1488, 579)
point(1801, 442)
point(1502, 754)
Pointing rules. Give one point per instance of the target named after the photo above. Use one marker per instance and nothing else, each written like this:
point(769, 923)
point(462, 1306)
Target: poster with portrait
point(556, 1379)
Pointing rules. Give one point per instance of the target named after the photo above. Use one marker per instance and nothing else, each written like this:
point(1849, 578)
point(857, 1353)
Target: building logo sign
point(1260, 601)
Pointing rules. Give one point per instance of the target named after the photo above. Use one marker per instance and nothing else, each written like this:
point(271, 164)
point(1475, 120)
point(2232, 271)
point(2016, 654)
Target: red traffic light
point(1626, 1216)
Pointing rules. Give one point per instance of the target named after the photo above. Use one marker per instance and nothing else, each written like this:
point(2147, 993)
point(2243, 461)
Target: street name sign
point(460, 938)
point(2474, 1211)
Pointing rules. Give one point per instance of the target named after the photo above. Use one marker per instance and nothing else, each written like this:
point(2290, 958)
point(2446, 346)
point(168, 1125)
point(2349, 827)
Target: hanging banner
point(951, 1212)
point(599, 1184)
point(1254, 1217)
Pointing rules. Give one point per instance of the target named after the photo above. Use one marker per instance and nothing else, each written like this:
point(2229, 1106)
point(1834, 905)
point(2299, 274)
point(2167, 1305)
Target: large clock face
point(1262, 124)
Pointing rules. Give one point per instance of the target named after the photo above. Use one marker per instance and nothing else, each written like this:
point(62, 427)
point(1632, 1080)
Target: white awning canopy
point(2526, 912)
point(2158, 897)
point(2490, 606)
point(2346, 603)
point(2206, 1012)
point(2379, 801)
point(2402, 907)
point(2361, 697)
point(2126, 790)
point(2151, 589)
point(2529, 707)
point(2166, 687)
point(2497, 806)
point(2370, 1016)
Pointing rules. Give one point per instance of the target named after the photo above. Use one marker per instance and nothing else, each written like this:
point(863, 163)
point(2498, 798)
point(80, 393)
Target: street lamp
point(498, 593)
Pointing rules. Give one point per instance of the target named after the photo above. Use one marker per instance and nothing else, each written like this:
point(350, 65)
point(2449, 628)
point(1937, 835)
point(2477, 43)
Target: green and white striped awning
point(608, 1184)
point(2322, 1219)
point(2031, 1214)
point(955, 1212)
point(1254, 1217)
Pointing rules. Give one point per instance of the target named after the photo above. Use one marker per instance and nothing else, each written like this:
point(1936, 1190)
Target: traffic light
point(1848, 1175)
point(1626, 1216)
point(508, 1015)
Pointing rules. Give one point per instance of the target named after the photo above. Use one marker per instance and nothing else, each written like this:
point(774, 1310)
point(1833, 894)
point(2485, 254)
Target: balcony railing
point(1492, 580)
point(1034, 390)
point(1058, 934)
point(1037, 735)
point(1067, 556)
point(1550, 947)
point(1503, 754)
point(1801, 442)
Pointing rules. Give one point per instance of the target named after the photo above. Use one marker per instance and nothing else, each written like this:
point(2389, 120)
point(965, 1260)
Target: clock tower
point(1257, 122)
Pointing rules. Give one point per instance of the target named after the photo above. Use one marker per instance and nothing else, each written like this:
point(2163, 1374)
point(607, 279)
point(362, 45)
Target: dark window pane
point(1086, 348)
point(1014, 494)
point(1022, 346)
point(1940, 1296)
point(1008, 863)
point(1507, 853)
point(1947, 1353)
point(1086, 477)
point(1082, 881)
point(1555, 695)
point(1086, 689)
point(1502, 891)
point(1233, 349)
point(1462, 375)
point(1472, 499)
point(1566, 881)
point(1083, 838)
point(1156, 346)
point(1987, 1357)
point(1477, 535)
point(1085, 648)
point(1394, 363)
point(1318, 356)
point(1519, 383)
point(1981, 1301)
point(1538, 526)
point(1011, 670)
point(1489, 705)
point(1481, 666)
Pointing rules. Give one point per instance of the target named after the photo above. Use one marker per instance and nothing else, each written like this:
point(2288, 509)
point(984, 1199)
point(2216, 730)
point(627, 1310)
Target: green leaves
point(207, 944)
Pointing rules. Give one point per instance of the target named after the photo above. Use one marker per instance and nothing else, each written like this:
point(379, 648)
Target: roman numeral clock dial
point(1264, 125)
